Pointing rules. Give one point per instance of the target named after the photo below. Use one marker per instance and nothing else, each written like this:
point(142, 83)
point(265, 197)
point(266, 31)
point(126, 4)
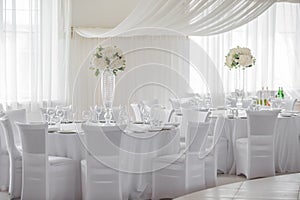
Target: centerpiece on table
point(239, 59)
point(107, 61)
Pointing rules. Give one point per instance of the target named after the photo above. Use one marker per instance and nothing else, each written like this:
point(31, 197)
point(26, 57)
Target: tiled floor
point(279, 187)
point(236, 187)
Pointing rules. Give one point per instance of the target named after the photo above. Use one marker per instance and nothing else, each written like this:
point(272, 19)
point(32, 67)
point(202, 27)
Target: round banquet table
point(286, 144)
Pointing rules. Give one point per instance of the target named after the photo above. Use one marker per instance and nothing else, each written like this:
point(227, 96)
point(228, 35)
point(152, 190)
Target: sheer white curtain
point(274, 38)
point(153, 70)
point(34, 40)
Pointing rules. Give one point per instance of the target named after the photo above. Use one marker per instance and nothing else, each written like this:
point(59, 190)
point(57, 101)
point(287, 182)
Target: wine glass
point(60, 114)
point(98, 110)
point(86, 115)
point(46, 118)
point(51, 113)
point(123, 118)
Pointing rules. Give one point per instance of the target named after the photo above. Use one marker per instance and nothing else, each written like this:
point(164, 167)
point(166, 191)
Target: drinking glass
point(98, 110)
point(51, 112)
point(46, 118)
point(86, 115)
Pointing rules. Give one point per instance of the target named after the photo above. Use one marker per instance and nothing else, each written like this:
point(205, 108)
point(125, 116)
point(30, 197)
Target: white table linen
point(287, 145)
point(137, 153)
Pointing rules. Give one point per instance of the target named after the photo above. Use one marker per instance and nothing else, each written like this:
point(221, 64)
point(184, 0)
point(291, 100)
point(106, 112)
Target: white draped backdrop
point(35, 43)
point(34, 37)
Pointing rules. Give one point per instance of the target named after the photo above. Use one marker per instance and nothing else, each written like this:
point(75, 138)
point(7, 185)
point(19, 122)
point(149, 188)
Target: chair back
point(3, 146)
point(102, 164)
point(99, 142)
point(15, 182)
point(191, 115)
point(261, 127)
point(9, 137)
point(149, 103)
point(289, 104)
point(34, 160)
point(16, 116)
point(262, 123)
point(158, 113)
point(196, 135)
point(136, 111)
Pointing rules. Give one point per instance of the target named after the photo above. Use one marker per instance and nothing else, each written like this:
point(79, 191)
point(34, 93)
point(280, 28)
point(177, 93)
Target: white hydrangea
point(239, 57)
point(108, 57)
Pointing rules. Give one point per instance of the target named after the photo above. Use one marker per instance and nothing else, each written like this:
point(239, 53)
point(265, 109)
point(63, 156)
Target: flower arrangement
point(239, 57)
point(107, 57)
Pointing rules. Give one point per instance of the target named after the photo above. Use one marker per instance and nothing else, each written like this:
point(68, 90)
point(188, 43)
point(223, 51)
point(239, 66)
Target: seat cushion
point(56, 160)
point(173, 158)
point(242, 141)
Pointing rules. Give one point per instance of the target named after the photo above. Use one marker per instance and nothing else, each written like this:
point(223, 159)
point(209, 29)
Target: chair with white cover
point(255, 154)
point(289, 104)
point(100, 175)
point(179, 174)
point(45, 177)
point(191, 115)
point(16, 116)
point(214, 147)
point(136, 111)
point(149, 103)
point(4, 160)
point(15, 160)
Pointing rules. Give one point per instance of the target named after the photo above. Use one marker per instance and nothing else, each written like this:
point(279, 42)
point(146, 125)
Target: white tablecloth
point(137, 150)
point(287, 145)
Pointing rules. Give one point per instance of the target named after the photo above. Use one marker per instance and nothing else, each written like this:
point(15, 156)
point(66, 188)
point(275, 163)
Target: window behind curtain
point(274, 38)
point(33, 51)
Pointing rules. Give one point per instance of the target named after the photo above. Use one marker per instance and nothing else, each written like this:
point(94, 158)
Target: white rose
point(117, 63)
point(245, 51)
point(228, 61)
point(99, 62)
point(109, 52)
point(245, 60)
point(118, 51)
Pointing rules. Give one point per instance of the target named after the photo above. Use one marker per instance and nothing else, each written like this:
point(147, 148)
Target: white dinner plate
point(67, 132)
point(155, 129)
point(286, 114)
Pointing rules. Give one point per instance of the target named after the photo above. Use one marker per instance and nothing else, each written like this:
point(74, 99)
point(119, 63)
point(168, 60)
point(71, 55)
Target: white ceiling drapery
point(189, 17)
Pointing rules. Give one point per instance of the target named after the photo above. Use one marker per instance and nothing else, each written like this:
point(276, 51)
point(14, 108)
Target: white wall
point(101, 13)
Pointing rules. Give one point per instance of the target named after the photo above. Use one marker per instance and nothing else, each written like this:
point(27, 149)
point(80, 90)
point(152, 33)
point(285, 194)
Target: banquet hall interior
point(149, 99)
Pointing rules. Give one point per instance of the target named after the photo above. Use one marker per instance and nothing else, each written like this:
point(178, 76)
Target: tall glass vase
point(239, 86)
point(108, 92)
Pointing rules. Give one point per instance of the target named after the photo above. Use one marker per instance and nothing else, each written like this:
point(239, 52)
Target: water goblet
point(86, 115)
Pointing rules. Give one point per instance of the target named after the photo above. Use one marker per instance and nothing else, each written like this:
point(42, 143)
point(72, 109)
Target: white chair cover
point(150, 103)
point(56, 178)
point(255, 154)
point(158, 113)
point(16, 116)
point(191, 115)
point(15, 171)
point(181, 173)
point(289, 104)
point(4, 160)
point(212, 152)
point(100, 175)
point(136, 111)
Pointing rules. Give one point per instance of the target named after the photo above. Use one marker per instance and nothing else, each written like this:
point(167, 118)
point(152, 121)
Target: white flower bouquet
point(107, 57)
point(239, 57)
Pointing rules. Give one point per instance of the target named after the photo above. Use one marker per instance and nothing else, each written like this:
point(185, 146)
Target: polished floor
point(283, 187)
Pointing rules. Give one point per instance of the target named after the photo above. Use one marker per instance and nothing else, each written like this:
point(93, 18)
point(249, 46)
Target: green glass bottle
point(282, 93)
